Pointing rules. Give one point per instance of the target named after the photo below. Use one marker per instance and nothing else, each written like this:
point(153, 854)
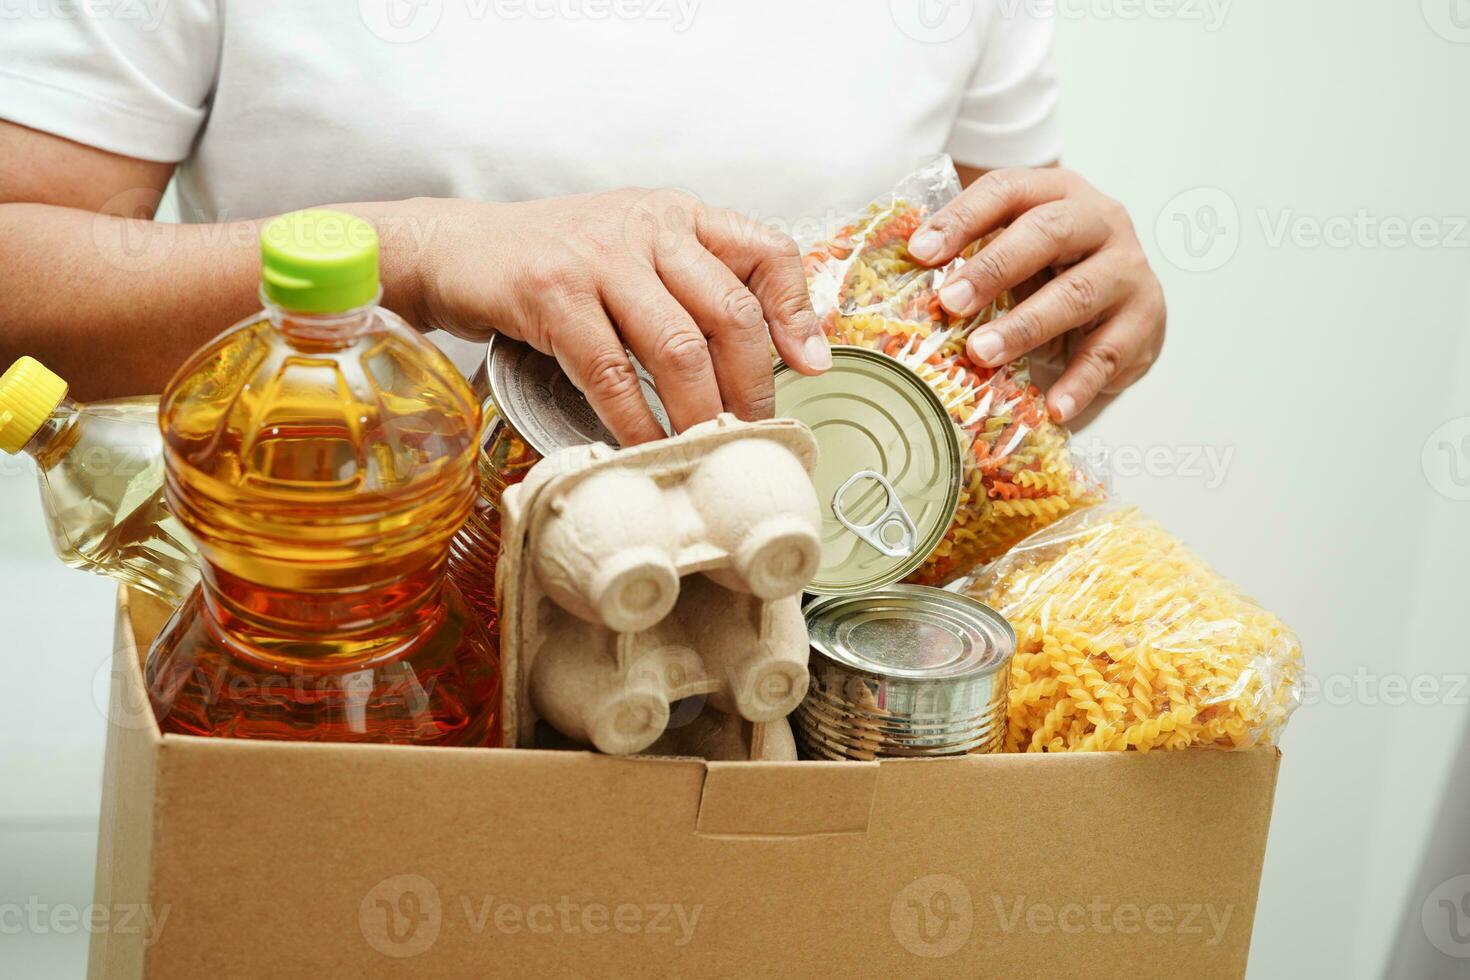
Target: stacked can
point(531, 410)
point(897, 671)
point(903, 672)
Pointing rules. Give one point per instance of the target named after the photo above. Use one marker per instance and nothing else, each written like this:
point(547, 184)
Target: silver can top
point(911, 632)
point(532, 393)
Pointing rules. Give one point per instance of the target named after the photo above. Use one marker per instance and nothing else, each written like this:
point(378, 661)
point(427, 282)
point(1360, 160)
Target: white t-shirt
point(791, 111)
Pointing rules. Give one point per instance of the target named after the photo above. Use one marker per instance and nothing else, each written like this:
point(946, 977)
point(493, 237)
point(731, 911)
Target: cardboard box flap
point(786, 799)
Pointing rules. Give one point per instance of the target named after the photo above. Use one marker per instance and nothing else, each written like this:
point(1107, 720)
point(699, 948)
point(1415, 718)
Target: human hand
point(1102, 285)
point(696, 293)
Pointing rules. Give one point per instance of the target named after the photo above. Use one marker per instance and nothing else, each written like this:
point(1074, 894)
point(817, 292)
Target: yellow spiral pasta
point(1018, 472)
point(1127, 640)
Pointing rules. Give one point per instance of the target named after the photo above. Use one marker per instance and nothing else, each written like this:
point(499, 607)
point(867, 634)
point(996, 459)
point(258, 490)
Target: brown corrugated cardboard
point(271, 860)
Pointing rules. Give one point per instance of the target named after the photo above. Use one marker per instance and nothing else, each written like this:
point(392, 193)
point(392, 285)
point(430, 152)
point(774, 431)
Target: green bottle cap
point(319, 261)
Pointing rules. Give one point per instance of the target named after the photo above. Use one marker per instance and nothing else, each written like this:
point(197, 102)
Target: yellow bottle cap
point(28, 393)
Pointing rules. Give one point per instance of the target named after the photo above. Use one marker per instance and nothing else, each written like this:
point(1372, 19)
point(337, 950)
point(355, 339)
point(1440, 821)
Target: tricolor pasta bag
point(1127, 640)
point(1019, 474)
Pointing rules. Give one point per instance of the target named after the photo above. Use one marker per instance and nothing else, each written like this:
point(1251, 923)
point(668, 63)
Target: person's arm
point(114, 301)
point(1090, 311)
point(1073, 255)
point(1049, 361)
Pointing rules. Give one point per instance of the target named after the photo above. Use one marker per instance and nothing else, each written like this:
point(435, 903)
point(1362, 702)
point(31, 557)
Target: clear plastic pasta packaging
point(1128, 640)
point(1019, 474)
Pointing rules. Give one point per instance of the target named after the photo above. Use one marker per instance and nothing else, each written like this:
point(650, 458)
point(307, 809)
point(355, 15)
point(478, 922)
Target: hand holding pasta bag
point(1127, 640)
point(1019, 475)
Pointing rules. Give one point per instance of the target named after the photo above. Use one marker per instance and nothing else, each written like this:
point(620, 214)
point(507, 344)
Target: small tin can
point(889, 471)
point(532, 393)
point(905, 671)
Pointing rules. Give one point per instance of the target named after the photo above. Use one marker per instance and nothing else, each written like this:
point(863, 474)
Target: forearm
point(116, 304)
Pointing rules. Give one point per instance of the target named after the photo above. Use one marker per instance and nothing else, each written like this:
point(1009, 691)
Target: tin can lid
point(889, 471)
point(912, 632)
point(534, 395)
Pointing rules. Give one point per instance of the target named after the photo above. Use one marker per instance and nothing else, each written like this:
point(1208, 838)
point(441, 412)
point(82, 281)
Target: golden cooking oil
point(100, 467)
point(322, 455)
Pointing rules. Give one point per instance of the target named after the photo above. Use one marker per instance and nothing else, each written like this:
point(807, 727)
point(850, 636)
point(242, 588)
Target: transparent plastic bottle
point(322, 455)
point(101, 473)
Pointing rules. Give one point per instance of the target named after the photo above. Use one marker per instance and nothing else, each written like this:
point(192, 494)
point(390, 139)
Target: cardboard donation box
point(274, 860)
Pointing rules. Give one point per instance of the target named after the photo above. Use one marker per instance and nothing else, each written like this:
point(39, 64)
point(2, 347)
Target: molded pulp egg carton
point(631, 580)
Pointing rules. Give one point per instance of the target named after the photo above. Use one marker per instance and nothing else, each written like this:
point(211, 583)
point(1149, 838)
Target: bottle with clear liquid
point(322, 455)
point(101, 473)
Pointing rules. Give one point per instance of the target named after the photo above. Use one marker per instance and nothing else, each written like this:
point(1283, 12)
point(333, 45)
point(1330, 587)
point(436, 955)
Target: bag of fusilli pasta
point(1019, 474)
point(1127, 640)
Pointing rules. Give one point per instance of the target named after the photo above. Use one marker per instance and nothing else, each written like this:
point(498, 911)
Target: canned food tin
point(905, 671)
point(533, 394)
point(889, 471)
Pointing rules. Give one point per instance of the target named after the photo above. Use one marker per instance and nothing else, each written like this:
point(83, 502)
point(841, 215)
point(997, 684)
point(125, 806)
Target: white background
point(1321, 375)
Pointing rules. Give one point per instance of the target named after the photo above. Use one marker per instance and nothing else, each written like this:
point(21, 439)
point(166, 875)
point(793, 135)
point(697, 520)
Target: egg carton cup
point(633, 579)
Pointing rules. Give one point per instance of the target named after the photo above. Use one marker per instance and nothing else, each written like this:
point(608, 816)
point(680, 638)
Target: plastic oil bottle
point(101, 473)
point(474, 553)
point(322, 455)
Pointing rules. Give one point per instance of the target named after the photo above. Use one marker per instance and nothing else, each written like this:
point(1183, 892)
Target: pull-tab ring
point(894, 517)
